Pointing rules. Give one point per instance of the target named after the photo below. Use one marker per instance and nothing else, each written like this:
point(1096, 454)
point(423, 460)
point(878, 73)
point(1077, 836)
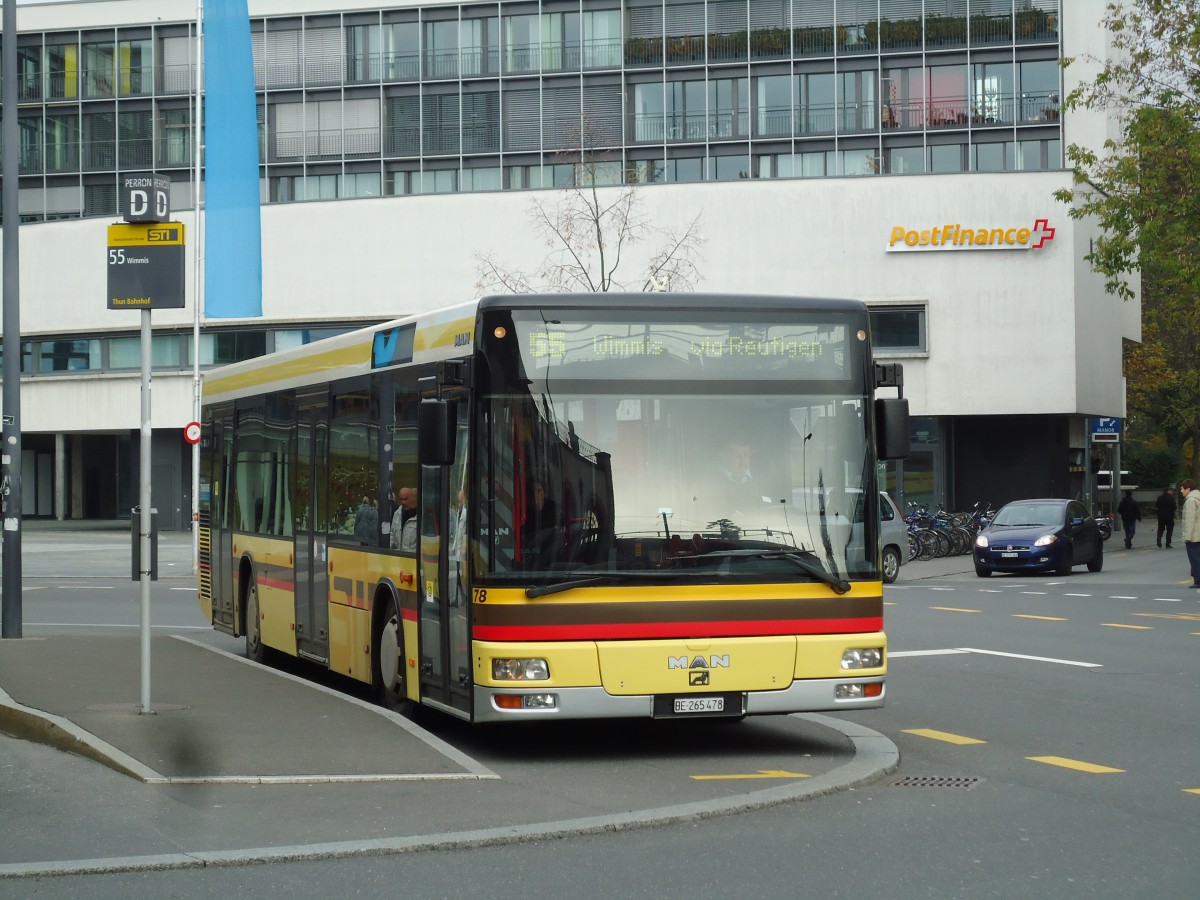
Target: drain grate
point(957, 781)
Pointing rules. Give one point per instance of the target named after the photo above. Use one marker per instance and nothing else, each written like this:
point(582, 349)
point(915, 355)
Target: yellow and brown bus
point(621, 505)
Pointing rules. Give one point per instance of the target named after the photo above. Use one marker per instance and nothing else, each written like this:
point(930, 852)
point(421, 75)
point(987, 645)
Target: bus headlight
point(520, 670)
point(862, 658)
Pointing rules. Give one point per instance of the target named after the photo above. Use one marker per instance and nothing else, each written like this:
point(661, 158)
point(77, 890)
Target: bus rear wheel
point(253, 625)
point(388, 665)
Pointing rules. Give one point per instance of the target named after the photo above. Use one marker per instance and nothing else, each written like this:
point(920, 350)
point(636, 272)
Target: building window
point(994, 157)
point(360, 184)
point(687, 169)
point(602, 39)
point(135, 72)
point(1040, 155)
point(98, 69)
point(482, 179)
point(401, 51)
point(175, 137)
point(521, 38)
point(480, 47)
point(905, 160)
point(126, 352)
point(898, 329)
point(729, 108)
point(948, 158)
point(773, 106)
point(645, 171)
point(225, 347)
point(441, 49)
point(728, 168)
point(68, 356)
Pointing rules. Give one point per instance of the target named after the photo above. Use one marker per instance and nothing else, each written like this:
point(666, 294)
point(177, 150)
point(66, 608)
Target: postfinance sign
point(969, 236)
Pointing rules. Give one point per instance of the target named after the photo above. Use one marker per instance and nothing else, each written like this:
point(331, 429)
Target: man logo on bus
point(699, 662)
point(698, 677)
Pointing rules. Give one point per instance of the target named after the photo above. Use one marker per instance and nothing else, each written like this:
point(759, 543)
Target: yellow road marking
point(1186, 617)
point(762, 773)
point(953, 609)
point(1134, 627)
point(1191, 790)
point(942, 736)
point(1073, 764)
point(1043, 618)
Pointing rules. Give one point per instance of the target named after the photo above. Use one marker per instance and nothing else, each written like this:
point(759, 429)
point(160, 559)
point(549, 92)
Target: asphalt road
point(1047, 729)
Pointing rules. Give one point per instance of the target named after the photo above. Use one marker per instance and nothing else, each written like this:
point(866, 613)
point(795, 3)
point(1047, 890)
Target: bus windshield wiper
point(798, 558)
point(541, 590)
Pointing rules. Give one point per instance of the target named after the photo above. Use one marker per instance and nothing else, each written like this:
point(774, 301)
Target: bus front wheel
point(388, 665)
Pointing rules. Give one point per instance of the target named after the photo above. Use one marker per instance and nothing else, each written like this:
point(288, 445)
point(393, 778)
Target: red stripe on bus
point(645, 630)
point(275, 583)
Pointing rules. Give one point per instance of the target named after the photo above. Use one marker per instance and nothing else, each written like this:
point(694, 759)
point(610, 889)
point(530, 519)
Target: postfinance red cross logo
point(1043, 232)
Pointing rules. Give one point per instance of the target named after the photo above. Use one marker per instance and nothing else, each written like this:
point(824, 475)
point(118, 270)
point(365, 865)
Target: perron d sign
point(145, 197)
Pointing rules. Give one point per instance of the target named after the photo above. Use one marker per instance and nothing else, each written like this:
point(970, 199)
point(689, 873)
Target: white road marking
point(1061, 662)
point(941, 589)
point(926, 653)
point(1077, 595)
point(1035, 593)
point(1119, 597)
point(84, 587)
point(1169, 599)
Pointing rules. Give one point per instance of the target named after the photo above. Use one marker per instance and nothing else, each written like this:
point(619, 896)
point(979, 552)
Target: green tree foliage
point(1143, 189)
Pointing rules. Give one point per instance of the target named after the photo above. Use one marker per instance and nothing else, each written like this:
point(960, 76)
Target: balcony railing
point(98, 156)
point(330, 144)
point(179, 79)
point(1033, 108)
point(135, 81)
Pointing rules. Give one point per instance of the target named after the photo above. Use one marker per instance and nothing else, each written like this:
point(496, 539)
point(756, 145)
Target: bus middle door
point(310, 475)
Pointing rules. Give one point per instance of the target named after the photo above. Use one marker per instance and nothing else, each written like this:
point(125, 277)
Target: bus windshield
point(632, 446)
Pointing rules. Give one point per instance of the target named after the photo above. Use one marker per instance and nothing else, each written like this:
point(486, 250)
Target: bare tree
point(588, 230)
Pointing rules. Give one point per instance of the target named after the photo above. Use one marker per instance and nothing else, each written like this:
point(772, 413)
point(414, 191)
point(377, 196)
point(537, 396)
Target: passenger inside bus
point(404, 522)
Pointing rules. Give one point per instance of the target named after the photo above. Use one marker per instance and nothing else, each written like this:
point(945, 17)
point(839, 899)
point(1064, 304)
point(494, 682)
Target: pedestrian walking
point(1130, 515)
point(1191, 527)
point(1165, 507)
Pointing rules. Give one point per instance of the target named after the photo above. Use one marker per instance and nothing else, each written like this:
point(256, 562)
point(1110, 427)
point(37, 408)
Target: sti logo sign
point(145, 198)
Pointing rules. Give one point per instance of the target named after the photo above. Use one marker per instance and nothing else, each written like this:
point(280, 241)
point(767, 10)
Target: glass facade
point(169, 351)
point(464, 98)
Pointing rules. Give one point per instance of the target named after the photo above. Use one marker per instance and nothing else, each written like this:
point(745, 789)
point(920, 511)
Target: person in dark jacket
point(1165, 506)
point(1130, 515)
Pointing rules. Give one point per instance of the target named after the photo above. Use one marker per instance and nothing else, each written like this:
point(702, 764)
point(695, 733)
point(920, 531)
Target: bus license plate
point(684, 705)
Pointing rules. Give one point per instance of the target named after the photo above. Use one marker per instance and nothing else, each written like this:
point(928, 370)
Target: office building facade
point(904, 152)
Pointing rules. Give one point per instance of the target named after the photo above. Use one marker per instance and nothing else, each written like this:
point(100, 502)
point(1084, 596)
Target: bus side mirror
point(435, 433)
point(891, 428)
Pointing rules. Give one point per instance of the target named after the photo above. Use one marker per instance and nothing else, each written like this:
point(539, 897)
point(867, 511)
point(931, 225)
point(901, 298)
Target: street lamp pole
point(10, 455)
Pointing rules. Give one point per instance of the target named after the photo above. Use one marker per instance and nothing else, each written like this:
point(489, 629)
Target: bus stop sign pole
point(145, 272)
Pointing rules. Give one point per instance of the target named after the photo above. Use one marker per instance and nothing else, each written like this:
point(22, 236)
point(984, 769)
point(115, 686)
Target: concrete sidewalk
point(241, 763)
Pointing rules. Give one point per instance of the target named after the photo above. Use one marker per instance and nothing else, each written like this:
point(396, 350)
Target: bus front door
point(309, 493)
point(445, 646)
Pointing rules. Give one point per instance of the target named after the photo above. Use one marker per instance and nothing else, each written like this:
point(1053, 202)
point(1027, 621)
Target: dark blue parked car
point(1039, 535)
